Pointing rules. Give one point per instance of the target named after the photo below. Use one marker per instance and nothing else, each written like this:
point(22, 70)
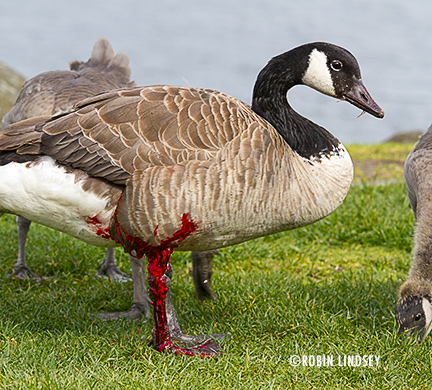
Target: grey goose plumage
point(54, 92)
point(414, 309)
point(168, 168)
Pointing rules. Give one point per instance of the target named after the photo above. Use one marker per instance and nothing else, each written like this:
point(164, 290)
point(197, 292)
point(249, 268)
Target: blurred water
point(223, 44)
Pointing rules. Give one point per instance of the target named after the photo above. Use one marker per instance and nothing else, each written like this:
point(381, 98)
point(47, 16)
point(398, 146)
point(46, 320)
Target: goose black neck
point(270, 102)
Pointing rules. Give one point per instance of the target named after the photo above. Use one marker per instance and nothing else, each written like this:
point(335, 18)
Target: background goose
point(163, 168)
point(414, 309)
point(54, 92)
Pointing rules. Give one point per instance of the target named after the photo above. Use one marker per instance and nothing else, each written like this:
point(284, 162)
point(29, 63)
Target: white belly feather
point(302, 192)
point(46, 193)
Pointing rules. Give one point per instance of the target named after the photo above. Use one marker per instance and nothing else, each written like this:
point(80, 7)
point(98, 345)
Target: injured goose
point(162, 168)
point(414, 309)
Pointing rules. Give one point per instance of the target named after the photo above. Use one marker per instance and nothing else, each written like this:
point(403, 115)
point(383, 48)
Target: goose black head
point(334, 71)
point(414, 315)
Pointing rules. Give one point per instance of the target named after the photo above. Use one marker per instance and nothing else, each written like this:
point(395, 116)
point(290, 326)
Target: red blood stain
point(159, 258)
point(142, 248)
point(100, 230)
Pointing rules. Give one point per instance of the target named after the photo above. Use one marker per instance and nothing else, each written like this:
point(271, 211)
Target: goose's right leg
point(166, 330)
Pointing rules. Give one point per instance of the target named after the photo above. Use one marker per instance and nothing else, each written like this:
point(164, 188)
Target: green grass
point(379, 162)
point(326, 289)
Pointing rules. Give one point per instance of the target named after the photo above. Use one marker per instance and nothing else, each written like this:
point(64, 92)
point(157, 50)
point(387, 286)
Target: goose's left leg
point(166, 329)
point(140, 307)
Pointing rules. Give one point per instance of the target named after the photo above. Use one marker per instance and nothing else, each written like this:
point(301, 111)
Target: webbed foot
point(24, 272)
point(136, 312)
point(166, 334)
point(140, 308)
point(206, 348)
point(108, 268)
point(113, 273)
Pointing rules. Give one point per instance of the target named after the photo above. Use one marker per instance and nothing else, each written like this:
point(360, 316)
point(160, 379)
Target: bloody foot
point(167, 335)
point(165, 330)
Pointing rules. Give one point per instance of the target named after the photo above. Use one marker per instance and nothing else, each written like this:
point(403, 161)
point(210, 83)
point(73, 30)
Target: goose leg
point(174, 327)
point(140, 307)
point(22, 270)
point(108, 268)
point(166, 329)
point(202, 270)
point(140, 299)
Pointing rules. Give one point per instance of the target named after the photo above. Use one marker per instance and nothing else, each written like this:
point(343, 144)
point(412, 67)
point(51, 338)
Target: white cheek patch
point(318, 75)
point(427, 309)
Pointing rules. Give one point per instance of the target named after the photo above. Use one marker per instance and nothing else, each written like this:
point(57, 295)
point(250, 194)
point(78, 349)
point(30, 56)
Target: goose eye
point(336, 65)
point(417, 317)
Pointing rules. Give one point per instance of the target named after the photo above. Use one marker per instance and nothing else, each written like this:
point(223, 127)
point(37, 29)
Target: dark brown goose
point(163, 168)
point(414, 309)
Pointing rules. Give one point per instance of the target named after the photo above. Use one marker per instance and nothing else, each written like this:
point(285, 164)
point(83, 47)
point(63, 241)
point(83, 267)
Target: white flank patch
point(318, 75)
point(427, 308)
point(45, 193)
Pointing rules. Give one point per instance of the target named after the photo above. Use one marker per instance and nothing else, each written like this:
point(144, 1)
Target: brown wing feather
point(116, 133)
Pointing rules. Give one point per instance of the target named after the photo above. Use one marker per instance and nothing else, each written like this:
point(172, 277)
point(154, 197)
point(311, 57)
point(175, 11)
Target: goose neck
point(303, 136)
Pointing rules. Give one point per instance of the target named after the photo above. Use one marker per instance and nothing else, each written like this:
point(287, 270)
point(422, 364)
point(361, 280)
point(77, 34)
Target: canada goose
point(163, 168)
point(54, 92)
point(414, 309)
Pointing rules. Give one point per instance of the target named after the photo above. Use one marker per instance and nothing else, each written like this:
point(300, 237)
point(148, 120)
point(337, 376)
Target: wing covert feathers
point(114, 134)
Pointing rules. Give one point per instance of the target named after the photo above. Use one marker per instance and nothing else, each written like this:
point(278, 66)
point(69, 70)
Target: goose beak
point(359, 96)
